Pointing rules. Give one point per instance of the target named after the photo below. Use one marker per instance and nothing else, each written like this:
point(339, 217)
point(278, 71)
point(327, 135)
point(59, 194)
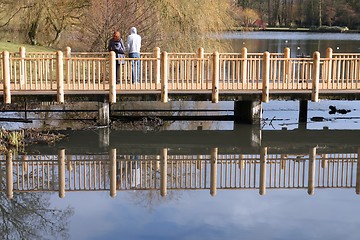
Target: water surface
point(324, 154)
point(298, 42)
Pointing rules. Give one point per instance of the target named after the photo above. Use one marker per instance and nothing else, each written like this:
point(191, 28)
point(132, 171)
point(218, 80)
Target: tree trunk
point(32, 32)
point(320, 13)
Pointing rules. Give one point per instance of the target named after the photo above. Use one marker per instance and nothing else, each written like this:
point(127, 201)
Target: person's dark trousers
point(135, 65)
point(118, 73)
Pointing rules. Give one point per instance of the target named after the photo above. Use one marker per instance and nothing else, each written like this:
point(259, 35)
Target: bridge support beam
point(104, 114)
point(104, 137)
point(303, 113)
point(249, 132)
point(247, 111)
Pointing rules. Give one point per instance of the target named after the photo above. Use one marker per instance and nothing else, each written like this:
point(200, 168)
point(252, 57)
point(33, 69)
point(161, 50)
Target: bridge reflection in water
point(165, 171)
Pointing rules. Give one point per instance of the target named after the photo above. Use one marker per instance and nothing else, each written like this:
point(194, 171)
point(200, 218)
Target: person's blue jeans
point(135, 65)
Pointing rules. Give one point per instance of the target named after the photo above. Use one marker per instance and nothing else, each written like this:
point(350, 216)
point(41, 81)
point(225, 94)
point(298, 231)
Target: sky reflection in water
point(238, 214)
point(286, 114)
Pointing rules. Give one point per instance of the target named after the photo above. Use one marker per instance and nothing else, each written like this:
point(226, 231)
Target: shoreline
point(289, 29)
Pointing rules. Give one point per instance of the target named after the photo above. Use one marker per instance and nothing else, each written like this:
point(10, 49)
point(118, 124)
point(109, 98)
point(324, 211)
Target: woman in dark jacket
point(116, 44)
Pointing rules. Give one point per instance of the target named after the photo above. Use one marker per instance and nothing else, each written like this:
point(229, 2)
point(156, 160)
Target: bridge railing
point(57, 73)
point(189, 71)
point(35, 71)
point(164, 172)
point(342, 71)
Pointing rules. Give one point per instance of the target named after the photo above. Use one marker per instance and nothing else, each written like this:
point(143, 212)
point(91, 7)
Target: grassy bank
point(14, 47)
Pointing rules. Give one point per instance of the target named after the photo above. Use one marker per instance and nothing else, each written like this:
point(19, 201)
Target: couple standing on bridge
point(133, 46)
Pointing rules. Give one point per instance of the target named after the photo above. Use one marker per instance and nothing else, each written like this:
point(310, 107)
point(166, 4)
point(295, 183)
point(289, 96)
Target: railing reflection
point(167, 171)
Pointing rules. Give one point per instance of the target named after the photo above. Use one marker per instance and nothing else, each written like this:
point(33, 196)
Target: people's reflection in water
point(31, 216)
point(128, 171)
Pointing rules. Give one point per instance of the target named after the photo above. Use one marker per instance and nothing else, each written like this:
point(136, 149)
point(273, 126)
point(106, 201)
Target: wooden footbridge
point(163, 76)
point(161, 73)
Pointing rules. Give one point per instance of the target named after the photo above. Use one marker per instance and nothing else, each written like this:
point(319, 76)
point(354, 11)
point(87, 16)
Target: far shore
point(295, 29)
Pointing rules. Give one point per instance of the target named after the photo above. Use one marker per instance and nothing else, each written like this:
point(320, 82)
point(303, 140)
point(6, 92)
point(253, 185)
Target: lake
point(299, 42)
point(214, 183)
point(188, 207)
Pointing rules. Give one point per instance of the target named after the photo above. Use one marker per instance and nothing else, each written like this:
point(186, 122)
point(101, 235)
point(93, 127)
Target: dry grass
point(14, 47)
point(17, 140)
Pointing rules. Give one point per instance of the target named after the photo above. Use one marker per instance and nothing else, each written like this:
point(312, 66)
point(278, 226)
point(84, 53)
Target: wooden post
point(164, 77)
point(22, 66)
point(112, 156)
point(6, 76)
point(324, 161)
point(263, 160)
point(311, 174)
point(68, 65)
point(60, 77)
point(69, 163)
point(266, 77)
point(200, 65)
point(287, 64)
point(215, 78)
point(283, 161)
point(157, 162)
point(25, 164)
point(213, 171)
point(244, 54)
point(163, 172)
point(9, 175)
point(329, 55)
point(157, 65)
point(112, 86)
point(316, 77)
point(61, 162)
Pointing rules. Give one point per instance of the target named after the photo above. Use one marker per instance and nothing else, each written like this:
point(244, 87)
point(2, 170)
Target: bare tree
point(42, 21)
point(169, 24)
point(106, 16)
point(30, 216)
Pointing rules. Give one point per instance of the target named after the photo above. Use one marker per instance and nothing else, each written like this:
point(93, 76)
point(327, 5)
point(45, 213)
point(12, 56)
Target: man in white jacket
point(133, 47)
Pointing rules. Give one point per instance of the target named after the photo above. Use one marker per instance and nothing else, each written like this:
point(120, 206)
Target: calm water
point(282, 214)
point(188, 208)
point(299, 43)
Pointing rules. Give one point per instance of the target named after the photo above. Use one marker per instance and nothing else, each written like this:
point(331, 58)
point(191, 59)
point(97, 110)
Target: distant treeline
point(304, 13)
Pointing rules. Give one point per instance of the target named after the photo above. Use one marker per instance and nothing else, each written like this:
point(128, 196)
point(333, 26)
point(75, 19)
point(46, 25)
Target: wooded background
point(173, 25)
